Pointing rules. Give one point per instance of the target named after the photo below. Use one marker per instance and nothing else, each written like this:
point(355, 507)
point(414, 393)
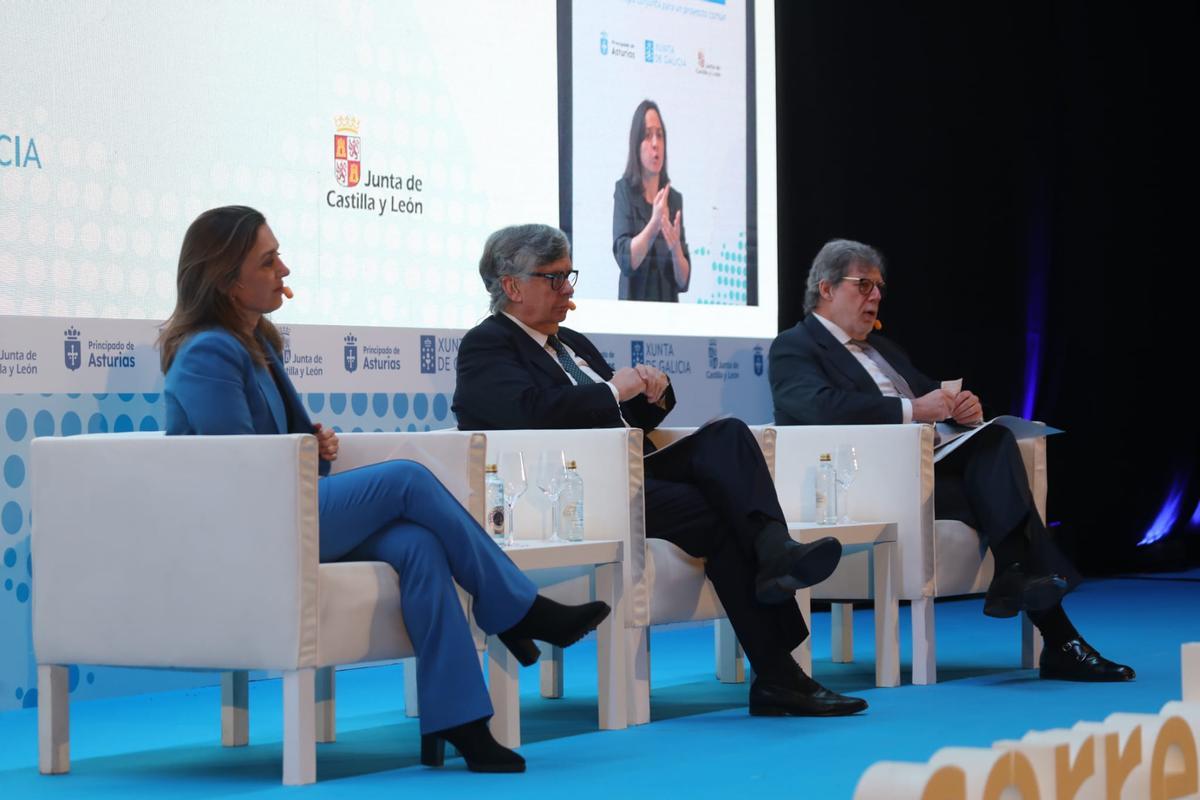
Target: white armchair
point(201, 552)
point(609, 460)
point(663, 584)
point(937, 558)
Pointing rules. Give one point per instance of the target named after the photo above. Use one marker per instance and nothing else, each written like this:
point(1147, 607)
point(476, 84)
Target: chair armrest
point(1033, 455)
point(456, 458)
point(661, 437)
point(175, 551)
point(894, 484)
point(609, 460)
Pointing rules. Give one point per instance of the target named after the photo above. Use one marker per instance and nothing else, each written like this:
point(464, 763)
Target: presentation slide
point(662, 166)
point(383, 141)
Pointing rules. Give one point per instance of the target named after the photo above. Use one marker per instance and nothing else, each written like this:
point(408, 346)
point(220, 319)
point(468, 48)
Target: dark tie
point(568, 363)
point(895, 377)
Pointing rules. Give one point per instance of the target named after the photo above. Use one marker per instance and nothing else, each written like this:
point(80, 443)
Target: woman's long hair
point(637, 132)
point(210, 260)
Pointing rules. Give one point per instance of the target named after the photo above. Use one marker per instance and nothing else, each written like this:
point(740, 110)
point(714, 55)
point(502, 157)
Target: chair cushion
point(359, 614)
point(679, 591)
point(962, 565)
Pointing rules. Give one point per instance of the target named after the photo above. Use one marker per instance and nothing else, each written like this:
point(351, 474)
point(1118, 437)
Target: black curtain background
point(1028, 171)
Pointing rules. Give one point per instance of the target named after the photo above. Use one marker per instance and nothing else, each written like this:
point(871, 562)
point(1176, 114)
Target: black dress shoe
point(1077, 660)
point(795, 566)
point(476, 744)
point(797, 695)
point(554, 623)
point(1014, 591)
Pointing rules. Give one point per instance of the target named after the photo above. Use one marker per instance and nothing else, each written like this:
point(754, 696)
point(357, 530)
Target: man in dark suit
point(711, 494)
point(831, 369)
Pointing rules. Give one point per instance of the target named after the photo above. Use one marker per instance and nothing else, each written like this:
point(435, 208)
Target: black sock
point(1055, 626)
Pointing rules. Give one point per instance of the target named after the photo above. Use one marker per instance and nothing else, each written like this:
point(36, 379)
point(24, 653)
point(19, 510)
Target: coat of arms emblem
point(347, 151)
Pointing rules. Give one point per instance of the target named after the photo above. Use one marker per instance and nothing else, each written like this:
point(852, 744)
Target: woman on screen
point(224, 376)
point(648, 239)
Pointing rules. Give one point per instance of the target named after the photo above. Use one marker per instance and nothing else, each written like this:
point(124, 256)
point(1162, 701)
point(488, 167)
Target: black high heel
point(554, 623)
point(477, 746)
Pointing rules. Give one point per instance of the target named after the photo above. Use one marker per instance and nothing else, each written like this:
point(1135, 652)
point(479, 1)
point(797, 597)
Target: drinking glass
point(511, 469)
point(551, 471)
point(845, 471)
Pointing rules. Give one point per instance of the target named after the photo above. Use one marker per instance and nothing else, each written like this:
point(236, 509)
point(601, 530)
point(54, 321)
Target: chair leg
point(54, 730)
point(504, 689)
point(924, 649)
point(550, 670)
point(299, 727)
point(235, 708)
point(731, 666)
point(842, 625)
point(637, 655)
point(326, 697)
point(803, 652)
point(411, 707)
point(1031, 643)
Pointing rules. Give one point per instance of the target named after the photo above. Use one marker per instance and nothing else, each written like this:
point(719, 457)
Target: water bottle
point(494, 503)
point(826, 491)
point(571, 503)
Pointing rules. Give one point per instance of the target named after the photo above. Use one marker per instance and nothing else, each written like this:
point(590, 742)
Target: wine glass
point(845, 471)
point(511, 469)
point(551, 471)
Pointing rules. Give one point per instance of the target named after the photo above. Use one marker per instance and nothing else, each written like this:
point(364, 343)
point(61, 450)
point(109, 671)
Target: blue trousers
point(399, 513)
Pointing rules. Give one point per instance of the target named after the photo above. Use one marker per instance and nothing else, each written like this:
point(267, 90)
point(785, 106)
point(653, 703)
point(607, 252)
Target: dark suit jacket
point(654, 279)
point(815, 380)
point(505, 381)
point(214, 388)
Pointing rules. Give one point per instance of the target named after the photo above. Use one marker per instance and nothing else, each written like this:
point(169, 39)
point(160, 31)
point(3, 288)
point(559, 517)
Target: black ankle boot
point(477, 746)
point(554, 623)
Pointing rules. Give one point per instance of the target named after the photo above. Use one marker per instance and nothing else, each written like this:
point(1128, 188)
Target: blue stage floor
point(702, 743)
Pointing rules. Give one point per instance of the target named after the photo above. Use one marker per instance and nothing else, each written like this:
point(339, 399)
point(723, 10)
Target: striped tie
point(568, 363)
point(887, 369)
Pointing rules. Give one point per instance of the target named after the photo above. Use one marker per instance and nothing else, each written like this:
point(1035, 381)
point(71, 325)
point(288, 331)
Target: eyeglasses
point(865, 285)
point(557, 279)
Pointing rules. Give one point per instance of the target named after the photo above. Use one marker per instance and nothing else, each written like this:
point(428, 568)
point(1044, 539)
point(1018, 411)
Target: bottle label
point(572, 521)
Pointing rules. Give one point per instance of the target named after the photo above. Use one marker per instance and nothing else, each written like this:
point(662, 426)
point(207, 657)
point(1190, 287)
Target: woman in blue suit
point(223, 376)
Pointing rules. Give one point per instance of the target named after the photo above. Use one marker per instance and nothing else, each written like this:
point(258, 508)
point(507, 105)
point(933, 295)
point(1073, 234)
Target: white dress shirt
point(882, 381)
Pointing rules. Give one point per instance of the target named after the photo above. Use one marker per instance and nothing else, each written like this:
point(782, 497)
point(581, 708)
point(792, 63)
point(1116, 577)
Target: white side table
point(881, 538)
point(604, 558)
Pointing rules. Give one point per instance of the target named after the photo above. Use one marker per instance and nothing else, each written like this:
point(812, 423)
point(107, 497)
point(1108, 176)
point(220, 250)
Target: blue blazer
point(214, 387)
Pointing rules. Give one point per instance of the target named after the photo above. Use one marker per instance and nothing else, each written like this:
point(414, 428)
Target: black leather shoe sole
point(809, 707)
point(1042, 593)
point(1085, 674)
point(809, 566)
point(1036, 594)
